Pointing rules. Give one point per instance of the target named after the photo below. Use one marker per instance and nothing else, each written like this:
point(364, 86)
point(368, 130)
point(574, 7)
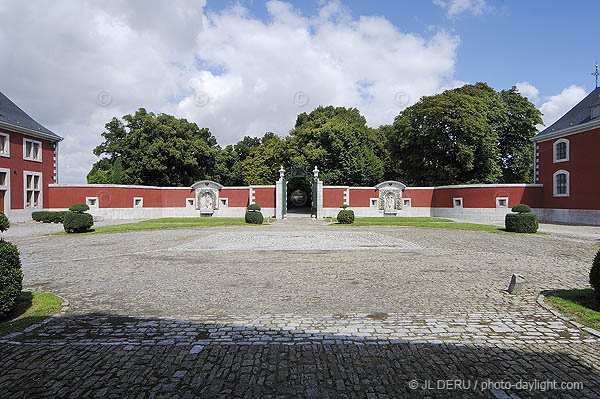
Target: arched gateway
point(298, 192)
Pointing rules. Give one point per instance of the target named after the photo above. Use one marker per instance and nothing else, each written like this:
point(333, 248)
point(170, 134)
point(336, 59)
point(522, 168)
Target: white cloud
point(457, 7)
point(528, 90)
point(559, 104)
point(227, 71)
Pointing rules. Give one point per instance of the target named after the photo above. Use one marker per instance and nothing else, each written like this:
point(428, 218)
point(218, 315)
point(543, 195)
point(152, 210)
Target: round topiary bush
point(253, 207)
point(521, 208)
point(79, 208)
point(254, 217)
point(521, 222)
point(76, 222)
point(11, 277)
point(345, 216)
point(4, 223)
point(595, 276)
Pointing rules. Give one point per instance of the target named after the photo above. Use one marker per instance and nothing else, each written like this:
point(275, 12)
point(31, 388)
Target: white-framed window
point(32, 182)
point(32, 150)
point(561, 150)
point(4, 189)
point(138, 202)
point(92, 202)
point(4, 145)
point(190, 202)
point(406, 202)
point(374, 202)
point(224, 201)
point(457, 202)
point(561, 184)
point(501, 202)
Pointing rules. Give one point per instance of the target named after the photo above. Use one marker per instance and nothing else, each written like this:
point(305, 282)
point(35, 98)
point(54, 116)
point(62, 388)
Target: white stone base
point(570, 216)
point(156, 213)
point(20, 215)
point(476, 215)
point(376, 212)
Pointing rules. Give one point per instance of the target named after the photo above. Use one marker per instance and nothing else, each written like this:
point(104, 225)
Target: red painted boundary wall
point(110, 196)
point(18, 165)
point(485, 197)
point(477, 196)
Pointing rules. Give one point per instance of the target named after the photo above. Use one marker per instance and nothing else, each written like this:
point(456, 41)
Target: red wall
point(118, 197)
point(362, 198)
point(419, 198)
point(333, 197)
point(236, 197)
point(17, 165)
point(264, 197)
point(583, 167)
point(485, 197)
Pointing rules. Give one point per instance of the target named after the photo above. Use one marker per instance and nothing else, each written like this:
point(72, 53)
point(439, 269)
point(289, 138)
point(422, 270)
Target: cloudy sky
point(247, 67)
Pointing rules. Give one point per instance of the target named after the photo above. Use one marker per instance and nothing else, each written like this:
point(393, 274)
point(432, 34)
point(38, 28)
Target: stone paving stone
point(151, 317)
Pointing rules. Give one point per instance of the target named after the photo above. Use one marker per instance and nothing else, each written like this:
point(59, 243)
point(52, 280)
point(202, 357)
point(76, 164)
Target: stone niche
point(390, 197)
point(207, 196)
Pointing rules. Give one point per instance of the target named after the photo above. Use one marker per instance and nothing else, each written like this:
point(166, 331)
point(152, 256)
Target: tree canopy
point(472, 134)
point(158, 150)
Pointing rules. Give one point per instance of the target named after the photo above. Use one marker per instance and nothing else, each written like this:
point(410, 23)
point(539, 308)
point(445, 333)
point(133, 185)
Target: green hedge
point(11, 277)
point(254, 217)
point(4, 223)
point(49, 216)
point(253, 207)
point(75, 222)
point(521, 208)
point(595, 277)
point(521, 222)
point(79, 208)
point(345, 217)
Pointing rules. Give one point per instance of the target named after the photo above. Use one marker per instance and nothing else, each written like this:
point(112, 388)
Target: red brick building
point(28, 162)
point(568, 165)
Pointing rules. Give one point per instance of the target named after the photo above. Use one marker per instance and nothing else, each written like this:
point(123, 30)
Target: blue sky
point(550, 44)
point(248, 67)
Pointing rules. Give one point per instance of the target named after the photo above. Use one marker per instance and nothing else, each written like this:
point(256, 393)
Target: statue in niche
point(208, 202)
point(389, 201)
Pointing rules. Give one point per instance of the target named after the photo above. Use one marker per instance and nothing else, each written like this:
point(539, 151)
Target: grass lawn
point(31, 308)
point(166, 223)
point(426, 222)
point(579, 305)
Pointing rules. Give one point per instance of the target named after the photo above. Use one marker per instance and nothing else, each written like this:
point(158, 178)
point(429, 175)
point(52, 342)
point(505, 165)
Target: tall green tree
point(338, 141)
point(471, 134)
point(516, 148)
point(262, 165)
point(158, 150)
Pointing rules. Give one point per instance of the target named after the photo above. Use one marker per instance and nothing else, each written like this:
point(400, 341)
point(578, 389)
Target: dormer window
point(561, 150)
point(595, 111)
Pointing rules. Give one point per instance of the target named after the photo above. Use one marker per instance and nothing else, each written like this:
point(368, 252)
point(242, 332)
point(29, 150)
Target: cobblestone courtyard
point(301, 309)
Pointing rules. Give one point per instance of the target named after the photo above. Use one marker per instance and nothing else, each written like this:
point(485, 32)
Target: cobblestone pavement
point(305, 310)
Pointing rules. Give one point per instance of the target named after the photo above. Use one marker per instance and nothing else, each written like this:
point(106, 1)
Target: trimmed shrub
point(595, 276)
point(254, 217)
point(521, 208)
point(4, 223)
point(11, 277)
point(521, 222)
point(79, 208)
point(49, 216)
point(345, 216)
point(253, 207)
point(76, 222)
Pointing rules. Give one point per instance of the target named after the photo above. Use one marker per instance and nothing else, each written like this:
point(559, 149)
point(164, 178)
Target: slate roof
point(11, 114)
point(579, 114)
